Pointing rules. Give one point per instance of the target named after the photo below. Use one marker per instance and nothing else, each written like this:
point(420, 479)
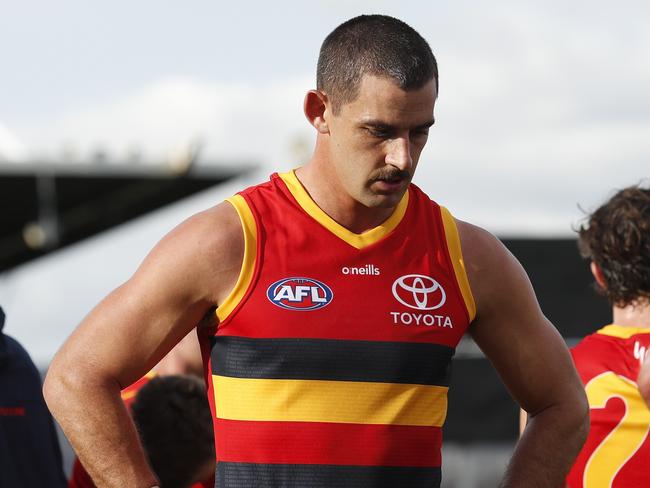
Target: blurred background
point(119, 120)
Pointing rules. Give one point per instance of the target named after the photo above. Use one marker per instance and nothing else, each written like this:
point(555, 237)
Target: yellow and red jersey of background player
point(617, 450)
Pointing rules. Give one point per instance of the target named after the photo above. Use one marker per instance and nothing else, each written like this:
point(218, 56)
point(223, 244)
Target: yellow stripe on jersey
point(248, 263)
point(125, 395)
point(456, 255)
point(622, 331)
point(329, 401)
point(358, 241)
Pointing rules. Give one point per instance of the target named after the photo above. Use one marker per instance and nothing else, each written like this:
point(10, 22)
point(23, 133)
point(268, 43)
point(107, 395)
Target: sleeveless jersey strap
point(250, 254)
point(456, 256)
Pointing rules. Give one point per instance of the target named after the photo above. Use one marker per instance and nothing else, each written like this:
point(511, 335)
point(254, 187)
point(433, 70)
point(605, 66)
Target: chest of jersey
point(335, 362)
point(311, 283)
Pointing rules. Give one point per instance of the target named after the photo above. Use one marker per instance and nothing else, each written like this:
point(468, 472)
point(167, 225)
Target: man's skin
point(365, 156)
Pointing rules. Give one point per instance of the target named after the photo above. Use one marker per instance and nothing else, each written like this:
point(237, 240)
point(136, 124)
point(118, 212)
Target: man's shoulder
point(10, 347)
point(479, 245)
point(211, 226)
point(598, 353)
point(494, 273)
point(18, 374)
point(590, 343)
point(196, 253)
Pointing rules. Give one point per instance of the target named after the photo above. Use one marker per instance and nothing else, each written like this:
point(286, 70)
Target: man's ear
point(598, 275)
point(316, 109)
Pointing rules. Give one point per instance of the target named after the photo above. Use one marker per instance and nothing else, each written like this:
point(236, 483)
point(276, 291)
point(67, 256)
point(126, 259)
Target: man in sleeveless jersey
point(341, 291)
point(616, 238)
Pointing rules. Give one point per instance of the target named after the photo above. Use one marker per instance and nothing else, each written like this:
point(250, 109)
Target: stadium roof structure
point(47, 206)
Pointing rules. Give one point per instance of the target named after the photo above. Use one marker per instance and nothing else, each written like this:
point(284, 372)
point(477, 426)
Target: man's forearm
point(97, 424)
point(547, 449)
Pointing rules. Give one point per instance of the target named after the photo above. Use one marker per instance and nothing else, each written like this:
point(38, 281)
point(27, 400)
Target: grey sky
point(543, 105)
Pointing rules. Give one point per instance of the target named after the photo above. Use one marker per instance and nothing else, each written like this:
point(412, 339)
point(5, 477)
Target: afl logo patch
point(299, 294)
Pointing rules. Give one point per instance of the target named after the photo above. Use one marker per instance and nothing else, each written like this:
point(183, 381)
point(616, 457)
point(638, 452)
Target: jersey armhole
point(248, 263)
point(456, 256)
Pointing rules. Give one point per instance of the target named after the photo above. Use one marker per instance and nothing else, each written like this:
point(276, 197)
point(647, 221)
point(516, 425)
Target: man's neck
point(633, 316)
point(327, 193)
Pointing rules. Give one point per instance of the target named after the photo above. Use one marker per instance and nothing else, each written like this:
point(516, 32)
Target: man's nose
point(399, 153)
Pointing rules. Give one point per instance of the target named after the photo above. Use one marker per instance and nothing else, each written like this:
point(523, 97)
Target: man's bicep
point(531, 359)
point(524, 347)
point(129, 331)
point(124, 338)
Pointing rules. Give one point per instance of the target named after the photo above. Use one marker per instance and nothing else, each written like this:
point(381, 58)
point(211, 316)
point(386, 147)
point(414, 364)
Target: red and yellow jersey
point(617, 450)
point(330, 364)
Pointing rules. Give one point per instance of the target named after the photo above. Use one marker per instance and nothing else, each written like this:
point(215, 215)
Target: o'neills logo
point(368, 269)
point(422, 293)
point(300, 294)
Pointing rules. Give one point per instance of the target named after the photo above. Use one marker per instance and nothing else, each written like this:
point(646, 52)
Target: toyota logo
point(419, 292)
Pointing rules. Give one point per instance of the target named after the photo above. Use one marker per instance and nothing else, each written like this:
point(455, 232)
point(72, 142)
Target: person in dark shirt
point(30, 455)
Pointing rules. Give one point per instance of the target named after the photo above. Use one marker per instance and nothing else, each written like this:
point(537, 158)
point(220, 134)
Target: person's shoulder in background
point(29, 449)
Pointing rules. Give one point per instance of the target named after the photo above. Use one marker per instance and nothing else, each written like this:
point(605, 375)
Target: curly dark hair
point(173, 418)
point(617, 238)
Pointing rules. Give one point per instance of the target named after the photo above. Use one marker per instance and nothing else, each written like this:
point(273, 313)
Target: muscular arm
point(531, 359)
point(190, 271)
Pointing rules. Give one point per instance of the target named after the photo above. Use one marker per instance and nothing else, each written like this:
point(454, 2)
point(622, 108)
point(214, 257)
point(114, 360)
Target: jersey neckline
point(622, 331)
point(358, 241)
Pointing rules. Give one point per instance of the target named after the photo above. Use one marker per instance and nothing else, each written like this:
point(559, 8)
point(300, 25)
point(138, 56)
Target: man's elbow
point(66, 386)
point(57, 387)
point(570, 416)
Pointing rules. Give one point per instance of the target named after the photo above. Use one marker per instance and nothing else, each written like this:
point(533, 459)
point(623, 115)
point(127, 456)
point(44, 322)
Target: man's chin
point(385, 200)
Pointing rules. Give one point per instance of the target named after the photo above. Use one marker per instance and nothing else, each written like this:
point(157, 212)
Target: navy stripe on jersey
point(329, 359)
point(246, 475)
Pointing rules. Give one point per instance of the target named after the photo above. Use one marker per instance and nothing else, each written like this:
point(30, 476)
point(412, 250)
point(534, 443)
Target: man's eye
point(377, 132)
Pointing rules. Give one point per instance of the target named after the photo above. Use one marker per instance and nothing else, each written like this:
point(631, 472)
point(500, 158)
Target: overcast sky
point(544, 105)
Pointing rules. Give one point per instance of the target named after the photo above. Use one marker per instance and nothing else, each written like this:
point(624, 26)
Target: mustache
point(391, 174)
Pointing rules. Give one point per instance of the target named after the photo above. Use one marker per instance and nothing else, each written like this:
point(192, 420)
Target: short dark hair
point(173, 419)
point(617, 238)
point(373, 44)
